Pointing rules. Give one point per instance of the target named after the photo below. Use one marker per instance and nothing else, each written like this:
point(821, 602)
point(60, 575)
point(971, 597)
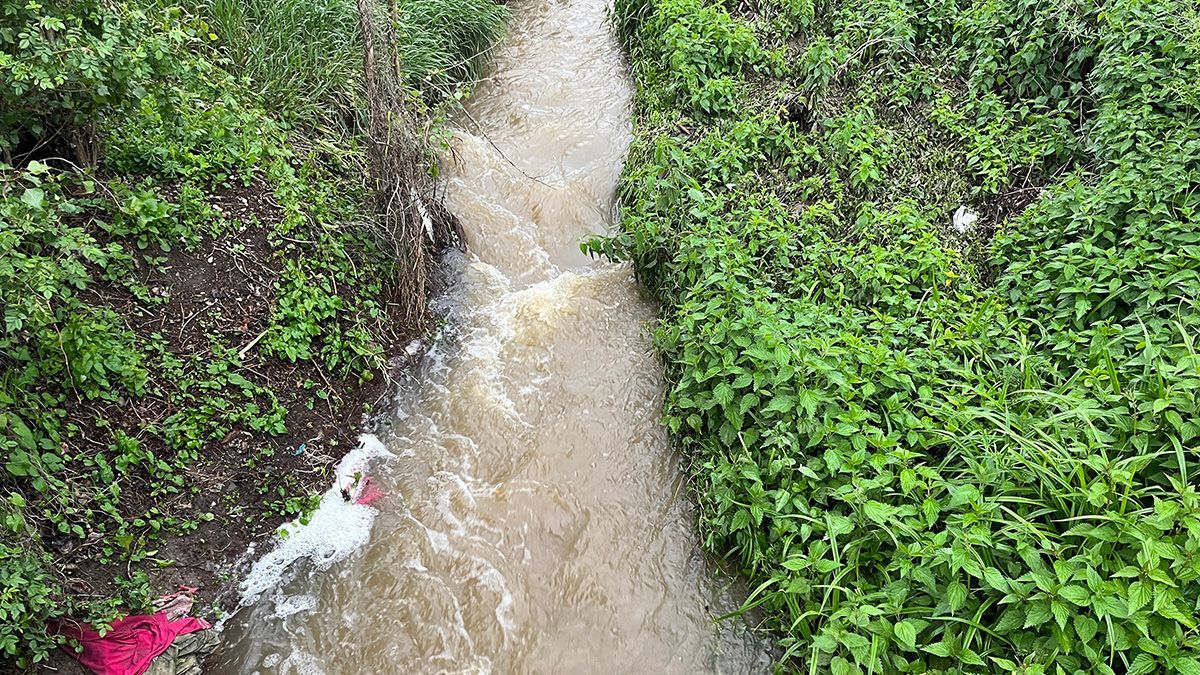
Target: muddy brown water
point(532, 517)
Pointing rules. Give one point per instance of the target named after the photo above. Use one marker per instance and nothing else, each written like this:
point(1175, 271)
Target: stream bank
point(200, 306)
point(930, 286)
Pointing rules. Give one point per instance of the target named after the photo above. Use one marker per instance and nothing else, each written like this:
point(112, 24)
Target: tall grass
point(443, 42)
point(305, 58)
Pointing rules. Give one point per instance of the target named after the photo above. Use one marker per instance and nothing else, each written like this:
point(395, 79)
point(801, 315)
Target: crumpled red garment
point(131, 644)
point(369, 494)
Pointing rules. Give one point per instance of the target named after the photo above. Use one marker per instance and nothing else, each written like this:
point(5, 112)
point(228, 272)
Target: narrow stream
point(532, 517)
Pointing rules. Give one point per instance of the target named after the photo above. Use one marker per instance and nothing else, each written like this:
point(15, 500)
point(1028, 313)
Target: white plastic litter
point(964, 219)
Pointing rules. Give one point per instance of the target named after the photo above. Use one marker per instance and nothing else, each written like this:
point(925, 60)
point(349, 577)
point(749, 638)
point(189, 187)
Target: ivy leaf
point(34, 197)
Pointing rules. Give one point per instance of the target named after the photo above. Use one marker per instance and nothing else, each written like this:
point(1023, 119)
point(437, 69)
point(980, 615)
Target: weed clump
point(932, 449)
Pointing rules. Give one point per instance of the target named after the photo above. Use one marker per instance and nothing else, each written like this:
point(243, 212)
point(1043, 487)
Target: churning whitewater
point(533, 517)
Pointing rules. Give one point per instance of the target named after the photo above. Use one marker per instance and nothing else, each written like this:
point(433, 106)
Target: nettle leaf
point(1142, 664)
point(741, 520)
point(906, 634)
point(808, 401)
point(1060, 612)
point(781, 403)
point(1085, 627)
point(1076, 594)
point(840, 666)
point(838, 525)
point(878, 511)
point(995, 578)
point(1037, 613)
point(969, 657)
point(1011, 619)
point(956, 595)
point(723, 393)
point(942, 649)
point(1139, 595)
point(1112, 606)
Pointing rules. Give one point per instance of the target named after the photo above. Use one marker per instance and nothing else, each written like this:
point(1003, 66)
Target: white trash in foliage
point(964, 219)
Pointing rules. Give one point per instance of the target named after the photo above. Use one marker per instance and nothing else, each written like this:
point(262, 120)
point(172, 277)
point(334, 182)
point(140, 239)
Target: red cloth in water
point(131, 644)
point(369, 494)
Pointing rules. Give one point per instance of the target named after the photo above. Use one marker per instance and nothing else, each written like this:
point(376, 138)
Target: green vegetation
point(932, 449)
point(139, 139)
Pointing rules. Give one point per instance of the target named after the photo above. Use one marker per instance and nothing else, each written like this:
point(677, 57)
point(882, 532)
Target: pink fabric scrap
point(130, 645)
point(369, 493)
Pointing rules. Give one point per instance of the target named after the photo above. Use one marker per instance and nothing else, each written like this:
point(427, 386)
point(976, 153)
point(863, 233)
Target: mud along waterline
point(533, 517)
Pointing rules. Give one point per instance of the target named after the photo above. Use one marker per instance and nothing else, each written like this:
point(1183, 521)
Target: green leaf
point(840, 666)
point(1075, 594)
point(1060, 612)
point(781, 403)
point(956, 595)
point(723, 393)
point(939, 649)
point(1142, 664)
point(1037, 613)
point(33, 197)
point(994, 578)
point(1085, 627)
point(1140, 594)
point(906, 634)
point(878, 511)
point(969, 657)
point(741, 520)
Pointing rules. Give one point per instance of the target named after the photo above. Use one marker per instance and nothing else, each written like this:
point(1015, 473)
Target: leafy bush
point(63, 63)
point(28, 600)
point(932, 452)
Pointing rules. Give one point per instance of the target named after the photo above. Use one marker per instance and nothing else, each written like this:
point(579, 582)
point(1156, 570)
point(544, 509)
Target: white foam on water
point(338, 527)
point(288, 605)
point(301, 663)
